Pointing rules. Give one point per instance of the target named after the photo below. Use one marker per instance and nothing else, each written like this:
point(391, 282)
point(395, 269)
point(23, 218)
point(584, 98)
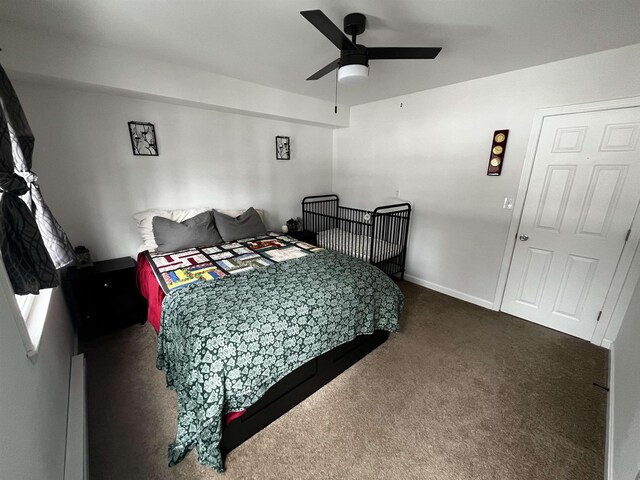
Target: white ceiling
point(270, 43)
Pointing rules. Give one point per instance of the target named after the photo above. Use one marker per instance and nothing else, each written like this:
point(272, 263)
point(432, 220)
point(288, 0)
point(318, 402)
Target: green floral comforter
point(223, 344)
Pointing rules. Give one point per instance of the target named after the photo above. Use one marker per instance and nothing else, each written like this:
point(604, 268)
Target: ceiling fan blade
point(390, 53)
point(328, 29)
point(324, 70)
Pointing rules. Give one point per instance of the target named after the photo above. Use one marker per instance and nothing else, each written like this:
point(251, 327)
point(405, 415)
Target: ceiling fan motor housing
point(354, 57)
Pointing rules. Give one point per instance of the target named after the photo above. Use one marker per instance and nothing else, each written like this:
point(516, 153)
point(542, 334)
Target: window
point(25, 302)
point(28, 311)
point(34, 313)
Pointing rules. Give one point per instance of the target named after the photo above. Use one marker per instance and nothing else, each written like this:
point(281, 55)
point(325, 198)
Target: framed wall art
point(496, 158)
point(283, 148)
point(143, 138)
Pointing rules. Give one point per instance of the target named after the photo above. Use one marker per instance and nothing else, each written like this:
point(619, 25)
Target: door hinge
point(628, 235)
point(599, 315)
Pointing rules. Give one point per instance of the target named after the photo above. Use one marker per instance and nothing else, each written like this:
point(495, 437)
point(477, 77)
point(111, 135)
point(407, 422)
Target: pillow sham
point(198, 231)
point(144, 221)
point(248, 224)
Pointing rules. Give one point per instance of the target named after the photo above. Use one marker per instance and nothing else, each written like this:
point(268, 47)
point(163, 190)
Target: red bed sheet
point(151, 290)
point(153, 293)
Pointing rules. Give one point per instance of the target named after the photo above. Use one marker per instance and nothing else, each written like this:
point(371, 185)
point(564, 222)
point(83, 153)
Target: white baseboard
point(608, 344)
point(452, 293)
point(76, 462)
point(608, 446)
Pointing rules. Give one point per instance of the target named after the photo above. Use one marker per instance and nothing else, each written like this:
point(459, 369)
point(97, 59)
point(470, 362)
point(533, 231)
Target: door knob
point(524, 237)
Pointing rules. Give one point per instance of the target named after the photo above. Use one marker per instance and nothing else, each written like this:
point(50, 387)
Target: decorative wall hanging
point(498, 146)
point(143, 138)
point(283, 150)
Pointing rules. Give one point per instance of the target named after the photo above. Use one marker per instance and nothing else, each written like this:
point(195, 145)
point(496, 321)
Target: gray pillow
point(249, 224)
point(198, 231)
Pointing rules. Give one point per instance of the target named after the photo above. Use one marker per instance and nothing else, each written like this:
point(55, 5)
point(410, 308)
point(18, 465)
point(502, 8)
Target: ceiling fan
point(353, 64)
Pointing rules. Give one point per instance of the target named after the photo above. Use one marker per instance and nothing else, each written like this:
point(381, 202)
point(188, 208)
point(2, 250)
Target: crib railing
point(390, 225)
point(379, 236)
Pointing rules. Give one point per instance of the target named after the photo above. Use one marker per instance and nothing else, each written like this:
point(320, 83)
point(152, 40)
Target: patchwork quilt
point(185, 267)
point(224, 343)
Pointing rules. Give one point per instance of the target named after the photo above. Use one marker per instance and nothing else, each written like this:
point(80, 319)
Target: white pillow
point(144, 220)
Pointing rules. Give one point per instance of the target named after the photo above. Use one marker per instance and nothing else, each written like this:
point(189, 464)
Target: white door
point(583, 193)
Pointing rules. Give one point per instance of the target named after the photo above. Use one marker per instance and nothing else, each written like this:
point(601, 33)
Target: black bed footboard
point(298, 385)
point(378, 237)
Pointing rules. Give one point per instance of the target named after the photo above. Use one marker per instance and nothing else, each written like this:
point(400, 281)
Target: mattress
point(358, 246)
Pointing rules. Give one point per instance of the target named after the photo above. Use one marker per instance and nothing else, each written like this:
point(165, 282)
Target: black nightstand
point(304, 236)
point(104, 297)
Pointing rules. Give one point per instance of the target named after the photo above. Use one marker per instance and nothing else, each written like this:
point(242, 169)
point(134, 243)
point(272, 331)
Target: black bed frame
point(296, 386)
point(389, 223)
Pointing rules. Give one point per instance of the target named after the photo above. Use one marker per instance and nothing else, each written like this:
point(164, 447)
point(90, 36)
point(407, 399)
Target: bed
point(249, 328)
point(376, 236)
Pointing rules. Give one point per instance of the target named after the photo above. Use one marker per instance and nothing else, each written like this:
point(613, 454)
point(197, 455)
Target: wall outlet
point(397, 195)
point(508, 203)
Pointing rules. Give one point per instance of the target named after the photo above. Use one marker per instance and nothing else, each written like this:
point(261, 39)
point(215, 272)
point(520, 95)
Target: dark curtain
point(33, 243)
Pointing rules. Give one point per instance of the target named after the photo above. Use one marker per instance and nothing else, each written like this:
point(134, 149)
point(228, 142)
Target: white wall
point(93, 183)
point(435, 150)
point(34, 397)
point(32, 54)
point(625, 441)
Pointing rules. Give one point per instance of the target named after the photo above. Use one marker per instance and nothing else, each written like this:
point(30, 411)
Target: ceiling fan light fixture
point(353, 73)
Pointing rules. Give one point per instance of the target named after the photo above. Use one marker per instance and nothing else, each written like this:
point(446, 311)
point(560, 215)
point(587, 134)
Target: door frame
point(627, 272)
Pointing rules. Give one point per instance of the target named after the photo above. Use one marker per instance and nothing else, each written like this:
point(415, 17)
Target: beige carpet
point(461, 393)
